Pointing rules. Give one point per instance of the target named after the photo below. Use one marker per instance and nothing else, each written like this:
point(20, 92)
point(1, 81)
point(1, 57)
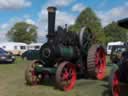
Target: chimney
point(51, 22)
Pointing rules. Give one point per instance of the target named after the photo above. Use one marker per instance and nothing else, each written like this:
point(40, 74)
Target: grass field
point(12, 83)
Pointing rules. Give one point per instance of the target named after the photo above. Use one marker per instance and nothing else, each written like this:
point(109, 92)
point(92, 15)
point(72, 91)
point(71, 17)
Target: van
point(111, 44)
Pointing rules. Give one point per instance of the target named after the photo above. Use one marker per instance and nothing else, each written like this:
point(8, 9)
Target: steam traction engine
point(119, 73)
point(66, 55)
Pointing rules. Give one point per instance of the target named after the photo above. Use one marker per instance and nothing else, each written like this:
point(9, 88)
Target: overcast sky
point(34, 12)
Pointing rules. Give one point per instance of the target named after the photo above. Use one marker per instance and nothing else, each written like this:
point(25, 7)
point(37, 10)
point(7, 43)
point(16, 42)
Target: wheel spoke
point(67, 76)
point(100, 63)
point(97, 58)
point(32, 77)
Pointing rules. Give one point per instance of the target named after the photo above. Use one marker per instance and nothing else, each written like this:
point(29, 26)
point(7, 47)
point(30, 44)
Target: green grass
point(12, 83)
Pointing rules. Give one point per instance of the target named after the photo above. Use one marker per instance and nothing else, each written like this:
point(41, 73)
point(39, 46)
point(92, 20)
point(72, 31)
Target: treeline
point(110, 33)
point(27, 33)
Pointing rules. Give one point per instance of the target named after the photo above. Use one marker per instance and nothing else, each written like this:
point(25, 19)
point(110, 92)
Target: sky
point(35, 12)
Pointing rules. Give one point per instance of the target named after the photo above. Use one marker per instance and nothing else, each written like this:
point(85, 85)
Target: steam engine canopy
point(123, 23)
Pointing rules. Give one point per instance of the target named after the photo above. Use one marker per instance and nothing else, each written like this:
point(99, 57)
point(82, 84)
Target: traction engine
point(119, 73)
point(66, 55)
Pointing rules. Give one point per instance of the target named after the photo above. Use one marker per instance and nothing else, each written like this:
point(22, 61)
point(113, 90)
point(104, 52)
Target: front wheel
point(31, 77)
point(66, 76)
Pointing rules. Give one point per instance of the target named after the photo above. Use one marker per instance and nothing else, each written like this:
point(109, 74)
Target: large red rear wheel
point(30, 75)
point(66, 76)
point(96, 62)
point(114, 81)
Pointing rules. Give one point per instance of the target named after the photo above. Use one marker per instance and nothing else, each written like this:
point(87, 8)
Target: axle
point(40, 69)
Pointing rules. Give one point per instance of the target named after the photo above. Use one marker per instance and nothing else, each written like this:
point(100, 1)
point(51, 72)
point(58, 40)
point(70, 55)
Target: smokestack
point(51, 22)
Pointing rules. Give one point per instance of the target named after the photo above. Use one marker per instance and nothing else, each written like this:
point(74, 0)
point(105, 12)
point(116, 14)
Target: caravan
point(16, 48)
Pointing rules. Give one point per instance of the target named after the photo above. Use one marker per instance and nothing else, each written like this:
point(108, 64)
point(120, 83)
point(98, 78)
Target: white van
point(111, 44)
point(17, 48)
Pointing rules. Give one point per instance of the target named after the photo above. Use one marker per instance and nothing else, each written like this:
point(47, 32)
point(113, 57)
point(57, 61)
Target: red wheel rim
point(100, 63)
point(34, 76)
point(34, 82)
point(115, 84)
point(68, 77)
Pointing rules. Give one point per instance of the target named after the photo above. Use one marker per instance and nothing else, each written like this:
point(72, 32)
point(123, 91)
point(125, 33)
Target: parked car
point(30, 54)
point(6, 57)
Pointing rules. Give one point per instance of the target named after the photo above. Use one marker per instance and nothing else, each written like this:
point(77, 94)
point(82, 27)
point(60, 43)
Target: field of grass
point(12, 83)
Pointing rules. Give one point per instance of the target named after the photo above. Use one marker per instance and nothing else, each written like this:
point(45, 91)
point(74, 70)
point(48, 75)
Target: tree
point(23, 32)
point(89, 19)
point(113, 32)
